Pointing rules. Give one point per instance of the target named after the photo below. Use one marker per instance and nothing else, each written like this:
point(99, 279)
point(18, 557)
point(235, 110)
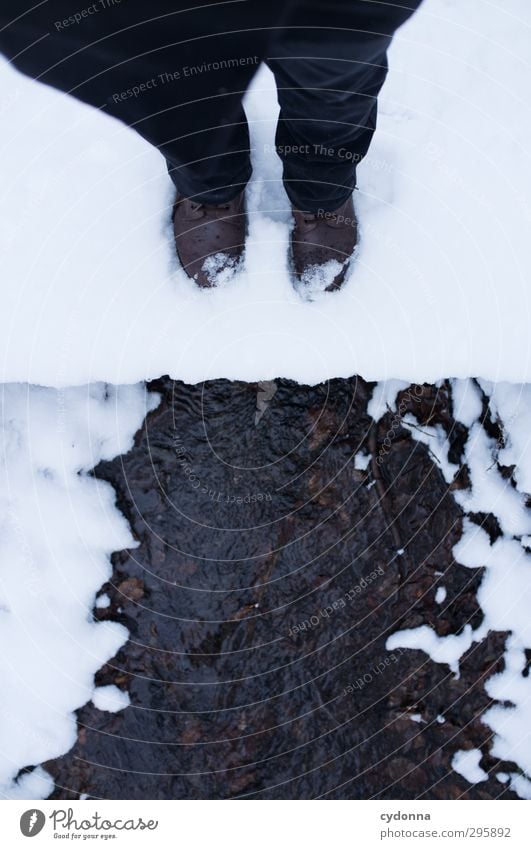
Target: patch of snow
point(521, 785)
point(436, 440)
point(440, 282)
point(37, 784)
point(467, 402)
point(59, 527)
point(473, 549)
point(505, 591)
point(466, 763)
point(361, 461)
point(110, 698)
point(491, 492)
point(440, 595)
point(317, 278)
point(511, 405)
point(384, 397)
point(511, 725)
point(102, 601)
point(441, 649)
point(220, 268)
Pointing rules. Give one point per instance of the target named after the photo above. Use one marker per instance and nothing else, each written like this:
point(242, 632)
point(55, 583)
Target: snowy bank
point(58, 527)
point(92, 291)
point(499, 471)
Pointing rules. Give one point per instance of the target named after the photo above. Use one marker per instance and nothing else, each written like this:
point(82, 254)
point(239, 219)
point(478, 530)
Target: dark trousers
point(176, 72)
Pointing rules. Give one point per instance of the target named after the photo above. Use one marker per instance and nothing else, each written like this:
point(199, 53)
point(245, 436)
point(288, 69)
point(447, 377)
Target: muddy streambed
point(271, 569)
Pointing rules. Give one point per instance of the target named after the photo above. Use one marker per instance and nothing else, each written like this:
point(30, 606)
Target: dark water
point(260, 598)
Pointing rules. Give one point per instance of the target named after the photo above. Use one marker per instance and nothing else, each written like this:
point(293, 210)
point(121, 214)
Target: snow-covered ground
point(58, 528)
point(92, 291)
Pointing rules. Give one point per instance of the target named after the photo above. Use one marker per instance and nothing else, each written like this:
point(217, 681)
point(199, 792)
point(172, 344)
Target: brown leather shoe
point(210, 238)
point(323, 243)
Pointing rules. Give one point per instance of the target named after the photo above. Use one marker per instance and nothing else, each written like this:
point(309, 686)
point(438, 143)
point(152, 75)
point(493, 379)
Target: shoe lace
point(209, 207)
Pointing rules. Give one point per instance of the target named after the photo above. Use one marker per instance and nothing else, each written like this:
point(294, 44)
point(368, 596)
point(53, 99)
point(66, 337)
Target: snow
point(317, 278)
point(59, 527)
point(511, 724)
point(467, 404)
point(466, 763)
point(521, 785)
point(102, 601)
point(491, 492)
point(361, 461)
point(436, 440)
point(440, 595)
point(504, 594)
point(473, 549)
point(220, 268)
point(441, 649)
point(37, 784)
point(384, 397)
point(511, 404)
point(110, 698)
point(92, 290)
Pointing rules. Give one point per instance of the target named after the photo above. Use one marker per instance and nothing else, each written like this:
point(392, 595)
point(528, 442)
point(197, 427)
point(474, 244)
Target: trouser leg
point(329, 65)
point(174, 73)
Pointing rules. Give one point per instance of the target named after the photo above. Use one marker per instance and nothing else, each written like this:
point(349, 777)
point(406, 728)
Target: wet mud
point(269, 574)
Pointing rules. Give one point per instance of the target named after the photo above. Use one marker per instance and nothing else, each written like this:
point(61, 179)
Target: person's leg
point(174, 73)
point(329, 65)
